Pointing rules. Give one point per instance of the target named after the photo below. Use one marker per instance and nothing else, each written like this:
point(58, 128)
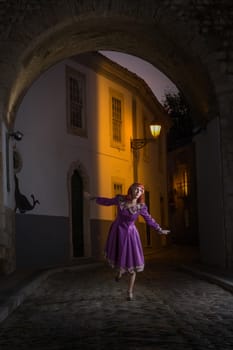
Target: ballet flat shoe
point(118, 277)
point(129, 296)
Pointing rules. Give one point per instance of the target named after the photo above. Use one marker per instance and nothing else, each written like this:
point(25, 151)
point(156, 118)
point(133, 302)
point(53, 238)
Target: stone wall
point(7, 242)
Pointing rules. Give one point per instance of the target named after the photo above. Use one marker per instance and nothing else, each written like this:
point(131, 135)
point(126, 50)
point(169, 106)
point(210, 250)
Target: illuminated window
point(116, 105)
point(182, 181)
point(118, 188)
point(75, 91)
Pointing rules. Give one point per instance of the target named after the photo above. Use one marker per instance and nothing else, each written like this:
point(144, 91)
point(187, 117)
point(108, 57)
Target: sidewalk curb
point(8, 303)
point(225, 283)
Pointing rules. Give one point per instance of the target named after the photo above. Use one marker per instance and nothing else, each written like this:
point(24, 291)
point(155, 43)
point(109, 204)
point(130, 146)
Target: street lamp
point(155, 129)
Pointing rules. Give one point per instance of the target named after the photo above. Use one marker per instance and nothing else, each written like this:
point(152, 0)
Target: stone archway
point(65, 40)
point(182, 40)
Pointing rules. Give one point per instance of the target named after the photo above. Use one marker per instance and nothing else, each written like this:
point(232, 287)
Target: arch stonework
point(89, 33)
point(191, 42)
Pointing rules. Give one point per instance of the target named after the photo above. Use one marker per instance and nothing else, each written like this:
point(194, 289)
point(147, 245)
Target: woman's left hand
point(164, 232)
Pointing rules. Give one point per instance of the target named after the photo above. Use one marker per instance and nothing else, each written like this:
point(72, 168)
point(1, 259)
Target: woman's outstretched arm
point(102, 200)
point(151, 221)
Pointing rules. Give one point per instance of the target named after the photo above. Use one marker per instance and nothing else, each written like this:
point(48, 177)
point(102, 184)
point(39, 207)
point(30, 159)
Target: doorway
point(77, 214)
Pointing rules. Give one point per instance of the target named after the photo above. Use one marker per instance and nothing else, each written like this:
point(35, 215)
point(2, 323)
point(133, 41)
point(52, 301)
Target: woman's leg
point(118, 275)
point(131, 285)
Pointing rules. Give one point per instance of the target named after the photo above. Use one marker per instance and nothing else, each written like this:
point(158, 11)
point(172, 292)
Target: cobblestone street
point(87, 309)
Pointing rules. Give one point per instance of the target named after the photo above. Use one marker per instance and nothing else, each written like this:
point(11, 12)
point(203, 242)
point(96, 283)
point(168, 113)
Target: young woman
point(123, 247)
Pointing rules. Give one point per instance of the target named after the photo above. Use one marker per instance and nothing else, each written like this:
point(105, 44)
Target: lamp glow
point(140, 143)
point(155, 130)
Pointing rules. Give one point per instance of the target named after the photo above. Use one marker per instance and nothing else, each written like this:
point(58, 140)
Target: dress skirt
point(124, 249)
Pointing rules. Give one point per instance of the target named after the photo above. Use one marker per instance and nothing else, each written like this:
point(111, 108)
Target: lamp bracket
point(140, 143)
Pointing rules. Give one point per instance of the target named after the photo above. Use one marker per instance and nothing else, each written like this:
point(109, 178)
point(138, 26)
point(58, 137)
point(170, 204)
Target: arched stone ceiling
point(52, 31)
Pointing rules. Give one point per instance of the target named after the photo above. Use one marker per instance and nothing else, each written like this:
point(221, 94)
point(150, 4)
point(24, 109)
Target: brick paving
point(87, 309)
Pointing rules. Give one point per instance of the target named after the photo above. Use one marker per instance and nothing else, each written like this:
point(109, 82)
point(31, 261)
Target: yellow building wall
point(111, 162)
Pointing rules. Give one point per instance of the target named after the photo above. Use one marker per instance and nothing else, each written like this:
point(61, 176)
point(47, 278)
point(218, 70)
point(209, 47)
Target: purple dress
point(123, 248)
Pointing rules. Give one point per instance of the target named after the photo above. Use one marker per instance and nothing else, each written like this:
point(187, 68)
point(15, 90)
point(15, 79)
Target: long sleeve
point(107, 201)
point(148, 218)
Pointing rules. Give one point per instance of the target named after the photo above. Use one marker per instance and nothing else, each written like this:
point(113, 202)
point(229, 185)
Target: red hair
point(130, 192)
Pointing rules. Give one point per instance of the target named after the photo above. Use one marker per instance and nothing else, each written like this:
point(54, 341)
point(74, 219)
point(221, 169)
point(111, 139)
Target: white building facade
point(78, 119)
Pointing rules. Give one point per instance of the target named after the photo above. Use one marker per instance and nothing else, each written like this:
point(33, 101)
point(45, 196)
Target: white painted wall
point(48, 150)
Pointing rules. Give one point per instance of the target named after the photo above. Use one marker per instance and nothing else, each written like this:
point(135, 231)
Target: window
point(116, 105)
point(76, 107)
point(118, 188)
point(116, 120)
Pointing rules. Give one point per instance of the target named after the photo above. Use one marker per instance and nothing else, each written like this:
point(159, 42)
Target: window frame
point(117, 182)
point(72, 73)
point(118, 96)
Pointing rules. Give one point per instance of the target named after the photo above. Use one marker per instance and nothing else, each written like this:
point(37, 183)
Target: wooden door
point(77, 214)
